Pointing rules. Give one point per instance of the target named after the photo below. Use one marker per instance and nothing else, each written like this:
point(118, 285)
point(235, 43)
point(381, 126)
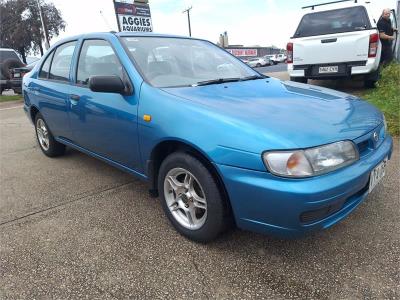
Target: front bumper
point(269, 204)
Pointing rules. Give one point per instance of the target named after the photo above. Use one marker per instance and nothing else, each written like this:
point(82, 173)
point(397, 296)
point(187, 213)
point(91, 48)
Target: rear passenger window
point(62, 62)
point(97, 57)
point(44, 71)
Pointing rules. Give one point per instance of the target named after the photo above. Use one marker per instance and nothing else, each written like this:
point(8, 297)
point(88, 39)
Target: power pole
point(46, 37)
point(116, 16)
point(188, 15)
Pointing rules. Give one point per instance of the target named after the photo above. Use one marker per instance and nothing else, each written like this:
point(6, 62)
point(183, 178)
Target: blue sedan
point(221, 144)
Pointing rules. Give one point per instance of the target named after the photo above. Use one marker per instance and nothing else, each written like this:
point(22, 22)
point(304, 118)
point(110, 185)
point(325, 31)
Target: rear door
point(51, 89)
point(340, 35)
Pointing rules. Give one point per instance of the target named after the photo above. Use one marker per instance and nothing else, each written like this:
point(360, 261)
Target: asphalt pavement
point(281, 67)
point(74, 227)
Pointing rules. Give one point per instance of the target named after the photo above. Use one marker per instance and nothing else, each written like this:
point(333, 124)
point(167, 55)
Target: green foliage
point(387, 96)
point(5, 98)
point(21, 28)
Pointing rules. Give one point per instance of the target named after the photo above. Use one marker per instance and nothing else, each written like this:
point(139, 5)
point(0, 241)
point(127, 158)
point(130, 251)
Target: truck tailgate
point(332, 48)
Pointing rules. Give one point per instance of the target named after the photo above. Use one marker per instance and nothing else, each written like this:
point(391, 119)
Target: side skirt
point(109, 161)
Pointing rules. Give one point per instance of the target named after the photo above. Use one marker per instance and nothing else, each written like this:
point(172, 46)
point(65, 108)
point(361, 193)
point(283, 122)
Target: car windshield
point(333, 21)
point(174, 62)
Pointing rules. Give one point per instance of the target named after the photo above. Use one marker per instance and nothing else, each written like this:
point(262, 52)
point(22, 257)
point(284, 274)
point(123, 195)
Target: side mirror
point(106, 84)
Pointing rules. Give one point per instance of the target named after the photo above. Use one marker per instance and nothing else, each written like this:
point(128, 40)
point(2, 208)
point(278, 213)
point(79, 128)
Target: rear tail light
point(373, 45)
point(289, 48)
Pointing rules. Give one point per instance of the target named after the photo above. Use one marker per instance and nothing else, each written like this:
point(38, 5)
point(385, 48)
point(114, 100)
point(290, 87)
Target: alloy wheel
point(185, 198)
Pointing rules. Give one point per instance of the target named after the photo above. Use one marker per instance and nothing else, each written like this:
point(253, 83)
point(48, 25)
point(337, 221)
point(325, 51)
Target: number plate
point(376, 175)
point(329, 69)
point(17, 75)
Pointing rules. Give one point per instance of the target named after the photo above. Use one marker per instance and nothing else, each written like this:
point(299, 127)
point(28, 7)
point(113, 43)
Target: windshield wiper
point(223, 80)
point(253, 77)
point(216, 81)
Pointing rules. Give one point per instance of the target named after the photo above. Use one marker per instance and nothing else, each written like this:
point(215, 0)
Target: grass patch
point(5, 98)
point(386, 96)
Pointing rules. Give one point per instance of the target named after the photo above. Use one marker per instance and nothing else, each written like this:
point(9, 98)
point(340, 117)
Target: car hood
point(285, 113)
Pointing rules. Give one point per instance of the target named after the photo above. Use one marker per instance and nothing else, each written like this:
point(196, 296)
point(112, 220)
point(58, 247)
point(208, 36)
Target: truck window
point(333, 21)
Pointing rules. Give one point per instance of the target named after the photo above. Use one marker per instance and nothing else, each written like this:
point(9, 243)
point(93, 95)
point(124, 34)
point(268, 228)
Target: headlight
point(312, 161)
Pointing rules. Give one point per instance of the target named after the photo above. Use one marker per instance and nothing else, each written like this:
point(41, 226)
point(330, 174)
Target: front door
point(104, 123)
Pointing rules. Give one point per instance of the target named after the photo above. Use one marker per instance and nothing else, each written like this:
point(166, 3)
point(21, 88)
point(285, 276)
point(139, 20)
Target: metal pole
point(46, 37)
point(188, 15)
point(116, 16)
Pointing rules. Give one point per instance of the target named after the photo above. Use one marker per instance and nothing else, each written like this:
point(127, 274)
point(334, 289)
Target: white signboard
point(133, 17)
point(135, 23)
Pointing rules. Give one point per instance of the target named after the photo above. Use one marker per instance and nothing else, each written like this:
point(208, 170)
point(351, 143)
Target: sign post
point(133, 16)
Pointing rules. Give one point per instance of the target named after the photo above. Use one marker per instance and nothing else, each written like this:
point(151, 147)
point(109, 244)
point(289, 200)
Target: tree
point(21, 28)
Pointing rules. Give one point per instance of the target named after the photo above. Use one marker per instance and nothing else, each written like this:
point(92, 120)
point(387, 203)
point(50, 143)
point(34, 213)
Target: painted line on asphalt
point(13, 107)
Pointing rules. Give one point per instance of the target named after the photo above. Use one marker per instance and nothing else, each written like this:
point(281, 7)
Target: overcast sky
point(248, 22)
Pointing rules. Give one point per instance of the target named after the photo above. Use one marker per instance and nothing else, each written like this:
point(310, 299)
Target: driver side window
point(97, 57)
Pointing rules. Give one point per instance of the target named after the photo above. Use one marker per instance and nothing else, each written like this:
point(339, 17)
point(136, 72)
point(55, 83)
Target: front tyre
point(191, 198)
point(47, 143)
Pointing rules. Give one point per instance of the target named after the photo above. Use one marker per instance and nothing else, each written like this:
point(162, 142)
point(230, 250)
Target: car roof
point(104, 35)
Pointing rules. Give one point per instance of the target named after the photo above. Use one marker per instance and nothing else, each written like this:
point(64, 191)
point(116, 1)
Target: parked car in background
point(9, 59)
point(280, 58)
point(16, 76)
point(220, 143)
point(259, 62)
point(336, 40)
point(272, 58)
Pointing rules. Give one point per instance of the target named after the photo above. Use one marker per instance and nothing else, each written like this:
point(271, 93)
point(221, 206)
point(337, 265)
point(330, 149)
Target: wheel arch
point(165, 148)
point(33, 112)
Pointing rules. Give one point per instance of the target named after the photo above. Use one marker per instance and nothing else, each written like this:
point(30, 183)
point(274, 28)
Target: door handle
point(74, 97)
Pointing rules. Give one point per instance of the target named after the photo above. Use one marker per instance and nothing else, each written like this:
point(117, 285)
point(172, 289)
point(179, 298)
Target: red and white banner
point(242, 52)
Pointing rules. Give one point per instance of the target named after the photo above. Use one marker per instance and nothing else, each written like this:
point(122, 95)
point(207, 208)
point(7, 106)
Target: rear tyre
point(191, 198)
point(370, 84)
point(258, 65)
point(299, 79)
point(47, 143)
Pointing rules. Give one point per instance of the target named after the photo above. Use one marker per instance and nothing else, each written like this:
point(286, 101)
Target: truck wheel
point(191, 198)
point(370, 84)
point(299, 79)
point(47, 143)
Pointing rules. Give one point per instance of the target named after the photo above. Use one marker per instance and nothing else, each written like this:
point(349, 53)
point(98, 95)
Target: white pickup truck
point(336, 40)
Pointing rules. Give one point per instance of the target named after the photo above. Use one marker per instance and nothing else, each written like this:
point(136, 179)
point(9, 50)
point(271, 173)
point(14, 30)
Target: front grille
point(312, 216)
point(363, 147)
